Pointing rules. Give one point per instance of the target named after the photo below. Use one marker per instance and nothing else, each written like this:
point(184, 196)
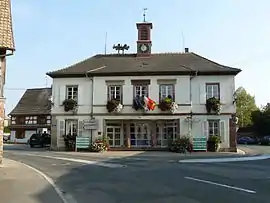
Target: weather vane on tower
point(144, 14)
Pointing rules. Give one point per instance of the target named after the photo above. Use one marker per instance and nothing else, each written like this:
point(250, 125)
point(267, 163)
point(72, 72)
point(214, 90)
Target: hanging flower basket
point(213, 105)
point(69, 104)
point(168, 105)
point(174, 107)
point(114, 106)
point(138, 103)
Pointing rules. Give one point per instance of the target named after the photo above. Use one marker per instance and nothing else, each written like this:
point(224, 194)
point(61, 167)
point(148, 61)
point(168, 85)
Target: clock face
point(144, 47)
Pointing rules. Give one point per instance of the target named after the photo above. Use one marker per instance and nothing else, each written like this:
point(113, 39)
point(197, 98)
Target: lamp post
point(6, 49)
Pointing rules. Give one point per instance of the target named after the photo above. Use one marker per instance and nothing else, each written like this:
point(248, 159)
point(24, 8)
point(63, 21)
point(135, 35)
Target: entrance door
point(140, 135)
point(114, 135)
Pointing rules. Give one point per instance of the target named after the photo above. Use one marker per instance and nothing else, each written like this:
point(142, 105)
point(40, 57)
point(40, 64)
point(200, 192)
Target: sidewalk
point(19, 183)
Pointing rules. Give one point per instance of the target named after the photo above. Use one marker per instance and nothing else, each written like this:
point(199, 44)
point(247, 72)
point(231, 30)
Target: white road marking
point(64, 164)
point(66, 198)
point(221, 185)
point(98, 163)
point(221, 160)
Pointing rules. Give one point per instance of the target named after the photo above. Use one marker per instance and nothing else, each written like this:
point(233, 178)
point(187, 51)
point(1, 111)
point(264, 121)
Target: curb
point(240, 151)
point(63, 195)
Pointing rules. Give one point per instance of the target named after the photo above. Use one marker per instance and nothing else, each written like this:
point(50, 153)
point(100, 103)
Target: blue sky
point(52, 34)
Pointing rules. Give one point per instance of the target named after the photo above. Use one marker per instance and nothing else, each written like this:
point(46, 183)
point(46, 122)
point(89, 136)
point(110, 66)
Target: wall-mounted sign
point(90, 124)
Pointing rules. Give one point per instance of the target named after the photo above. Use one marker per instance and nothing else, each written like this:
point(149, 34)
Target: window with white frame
point(166, 91)
point(72, 92)
point(166, 132)
point(115, 92)
point(30, 120)
point(213, 127)
point(71, 127)
point(48, 120)
point(212, 90)
point(140, 90)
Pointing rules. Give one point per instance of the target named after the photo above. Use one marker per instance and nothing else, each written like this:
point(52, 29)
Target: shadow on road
point(141, 182)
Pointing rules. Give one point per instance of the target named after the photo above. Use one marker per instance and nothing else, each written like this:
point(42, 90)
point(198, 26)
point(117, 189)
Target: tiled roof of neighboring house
point(34, 102)
point(155, 64)
point(6, 32)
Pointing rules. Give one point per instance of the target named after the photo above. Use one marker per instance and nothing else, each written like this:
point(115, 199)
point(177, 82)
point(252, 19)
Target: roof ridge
point(39, 88)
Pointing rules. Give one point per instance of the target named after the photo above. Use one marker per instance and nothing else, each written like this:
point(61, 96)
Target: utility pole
point(7, 48)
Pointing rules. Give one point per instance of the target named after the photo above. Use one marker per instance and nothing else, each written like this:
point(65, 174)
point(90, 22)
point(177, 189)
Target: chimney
point(186, 50)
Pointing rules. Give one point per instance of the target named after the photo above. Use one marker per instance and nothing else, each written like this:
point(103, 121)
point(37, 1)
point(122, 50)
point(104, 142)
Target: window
point(212, 90)
point(71, 127)
point(13, 120)
point(48, 120)
point(72, 92)
point(213, 127)
point(115, 92)
point(166, 132)
point(140, 134)
point(19, 134)
point(166, 91)
point(144, 33)
point(141, 90)
point(42, 120)
point(30, 120)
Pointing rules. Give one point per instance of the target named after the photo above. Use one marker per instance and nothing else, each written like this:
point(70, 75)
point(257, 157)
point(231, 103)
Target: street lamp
point(7, 48)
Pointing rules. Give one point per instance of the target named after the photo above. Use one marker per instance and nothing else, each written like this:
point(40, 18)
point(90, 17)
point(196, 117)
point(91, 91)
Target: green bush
point(182, 145)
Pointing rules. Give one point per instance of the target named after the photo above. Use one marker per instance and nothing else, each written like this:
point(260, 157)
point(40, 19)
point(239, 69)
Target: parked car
point(247, 140)
point(41, 140)
point(265, 140)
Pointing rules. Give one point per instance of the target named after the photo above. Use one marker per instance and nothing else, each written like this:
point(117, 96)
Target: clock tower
point(144, 42)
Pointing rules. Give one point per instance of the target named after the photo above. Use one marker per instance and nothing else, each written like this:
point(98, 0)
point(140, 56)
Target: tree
point(261, 120)
point(245, 105)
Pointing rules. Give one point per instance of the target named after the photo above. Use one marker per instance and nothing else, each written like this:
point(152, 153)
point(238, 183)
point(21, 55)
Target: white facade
point(190, 95)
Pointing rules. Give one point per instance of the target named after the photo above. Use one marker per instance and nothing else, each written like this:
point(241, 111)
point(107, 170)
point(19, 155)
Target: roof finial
point(144, 14)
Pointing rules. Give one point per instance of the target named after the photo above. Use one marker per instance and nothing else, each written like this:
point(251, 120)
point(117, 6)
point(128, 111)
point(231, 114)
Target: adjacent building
point(32, 114)
point(115, 95)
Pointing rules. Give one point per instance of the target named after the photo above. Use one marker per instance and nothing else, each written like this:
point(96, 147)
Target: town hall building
point(144, 100)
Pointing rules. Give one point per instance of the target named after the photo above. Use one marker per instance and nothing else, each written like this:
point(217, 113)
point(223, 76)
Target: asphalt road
point(95, 179)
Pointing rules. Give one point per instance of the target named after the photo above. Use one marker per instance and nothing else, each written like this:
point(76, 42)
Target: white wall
point(227, 88)
point(59, 94)
point(28, 134)
point(182, 93)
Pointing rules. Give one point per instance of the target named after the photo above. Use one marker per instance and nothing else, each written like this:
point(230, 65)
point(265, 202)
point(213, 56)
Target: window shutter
point(61, 128)
point(223, 92)
point(205, 129)
point(81, 98)
point(80, 129)
point(202, 91)
point(222, 130)
point(62, 94)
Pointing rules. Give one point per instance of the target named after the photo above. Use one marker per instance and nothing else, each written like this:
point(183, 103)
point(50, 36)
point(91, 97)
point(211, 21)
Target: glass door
point(114, 135)
point(140, 135)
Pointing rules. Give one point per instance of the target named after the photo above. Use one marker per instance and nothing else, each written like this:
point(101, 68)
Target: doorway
point(140, 134)
point(114, 136)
